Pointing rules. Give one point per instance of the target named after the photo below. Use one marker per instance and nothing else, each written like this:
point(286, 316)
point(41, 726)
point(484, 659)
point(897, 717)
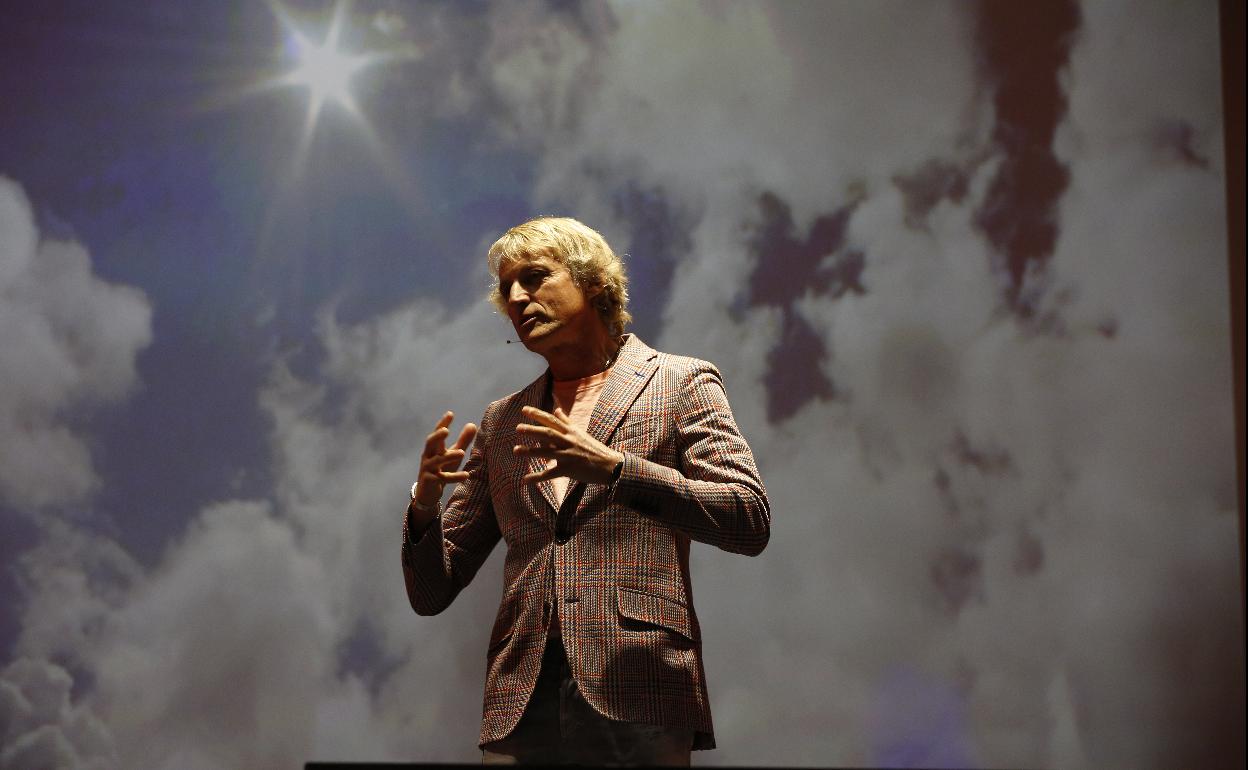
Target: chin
point(531, 340)
point(542, 342)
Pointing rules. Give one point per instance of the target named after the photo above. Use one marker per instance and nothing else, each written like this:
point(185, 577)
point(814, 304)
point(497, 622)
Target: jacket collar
point(633, 368)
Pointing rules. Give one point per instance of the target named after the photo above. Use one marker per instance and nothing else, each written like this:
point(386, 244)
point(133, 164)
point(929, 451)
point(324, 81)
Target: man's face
point(545, 305)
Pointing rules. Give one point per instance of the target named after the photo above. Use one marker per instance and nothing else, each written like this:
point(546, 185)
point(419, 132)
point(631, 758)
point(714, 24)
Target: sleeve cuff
point(413, 533)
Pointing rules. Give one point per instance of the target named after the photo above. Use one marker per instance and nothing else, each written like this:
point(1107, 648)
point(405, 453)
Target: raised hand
point(577, 454)
point(439, 466)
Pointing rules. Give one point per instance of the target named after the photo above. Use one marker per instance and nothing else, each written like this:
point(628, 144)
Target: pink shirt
point(577, 399)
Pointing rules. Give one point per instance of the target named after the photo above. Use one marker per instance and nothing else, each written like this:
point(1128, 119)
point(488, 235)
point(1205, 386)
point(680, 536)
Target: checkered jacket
point(615, 558)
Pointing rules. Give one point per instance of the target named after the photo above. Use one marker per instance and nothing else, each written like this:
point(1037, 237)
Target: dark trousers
point(559, 728)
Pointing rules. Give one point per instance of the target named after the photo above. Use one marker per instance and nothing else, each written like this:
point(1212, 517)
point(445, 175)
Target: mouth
point(528, 322)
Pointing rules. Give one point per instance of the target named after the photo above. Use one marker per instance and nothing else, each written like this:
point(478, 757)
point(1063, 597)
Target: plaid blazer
point(615, 558)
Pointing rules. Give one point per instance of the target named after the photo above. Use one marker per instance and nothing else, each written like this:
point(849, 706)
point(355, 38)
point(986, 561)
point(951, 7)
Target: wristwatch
point(420, 506)
point(410, 537)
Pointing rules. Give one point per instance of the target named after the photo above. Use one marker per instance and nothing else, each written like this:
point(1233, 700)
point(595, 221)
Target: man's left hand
point(577, 454)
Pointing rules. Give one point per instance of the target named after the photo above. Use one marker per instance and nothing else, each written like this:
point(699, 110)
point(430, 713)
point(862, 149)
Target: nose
point(516, 295)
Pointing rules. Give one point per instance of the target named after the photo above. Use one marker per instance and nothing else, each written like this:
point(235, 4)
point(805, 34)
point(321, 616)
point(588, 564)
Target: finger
point(452, 476)
point(444, 423)
point(545, 418)
point(562, 415)
point(530, 450)
point(450, 458)
point(444, 430)
point(465, 437)
point(542, 433)
point(435, 442)
point(432, 467)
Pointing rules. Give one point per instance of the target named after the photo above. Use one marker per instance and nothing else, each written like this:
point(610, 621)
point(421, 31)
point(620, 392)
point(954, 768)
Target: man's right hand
point(439, 465)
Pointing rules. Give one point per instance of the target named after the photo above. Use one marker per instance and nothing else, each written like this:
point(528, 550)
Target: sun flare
point(322, 61)
point(326, 72)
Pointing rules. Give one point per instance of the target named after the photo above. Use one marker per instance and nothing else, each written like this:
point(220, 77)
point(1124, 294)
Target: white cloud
point(218, 658)
point(70, 340)
point(236, 649)
point(346, 463)
point(41, 727)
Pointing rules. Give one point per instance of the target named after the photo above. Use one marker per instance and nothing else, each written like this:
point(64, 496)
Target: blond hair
point(577, 247)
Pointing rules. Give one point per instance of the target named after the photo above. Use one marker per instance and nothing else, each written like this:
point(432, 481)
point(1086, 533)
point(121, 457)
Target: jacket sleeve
point(441, 561)
point(716, 495)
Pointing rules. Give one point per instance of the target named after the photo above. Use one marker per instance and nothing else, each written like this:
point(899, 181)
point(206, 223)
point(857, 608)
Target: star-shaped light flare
point(325, 70)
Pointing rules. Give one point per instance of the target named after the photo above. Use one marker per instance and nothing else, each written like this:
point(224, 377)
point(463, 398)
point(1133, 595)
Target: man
point(597, 475)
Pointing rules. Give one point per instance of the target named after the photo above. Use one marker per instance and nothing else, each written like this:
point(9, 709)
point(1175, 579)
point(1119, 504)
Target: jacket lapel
point(536, 395)
point(633, 368)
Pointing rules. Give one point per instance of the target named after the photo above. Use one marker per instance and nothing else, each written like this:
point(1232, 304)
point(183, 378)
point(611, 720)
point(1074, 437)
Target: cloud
point(221, 656)
point(70, 341)
point(40, 727)
point(276, 632)
point(70, 344)
point(223, 648)
point(348, 443)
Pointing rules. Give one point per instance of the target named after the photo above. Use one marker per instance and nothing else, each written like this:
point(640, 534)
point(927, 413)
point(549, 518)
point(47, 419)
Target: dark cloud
point(1176, 140)
point(658, 239)
point(362, 655)
point(986, 460)
point(787, 267)
point(957, 574)
point(928, 185)
point(1024, 48)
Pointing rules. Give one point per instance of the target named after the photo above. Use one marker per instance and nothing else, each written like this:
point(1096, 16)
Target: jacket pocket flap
point(655, 610)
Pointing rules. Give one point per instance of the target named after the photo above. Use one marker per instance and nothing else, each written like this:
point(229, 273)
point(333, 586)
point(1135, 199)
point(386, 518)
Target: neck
point(575, 362)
